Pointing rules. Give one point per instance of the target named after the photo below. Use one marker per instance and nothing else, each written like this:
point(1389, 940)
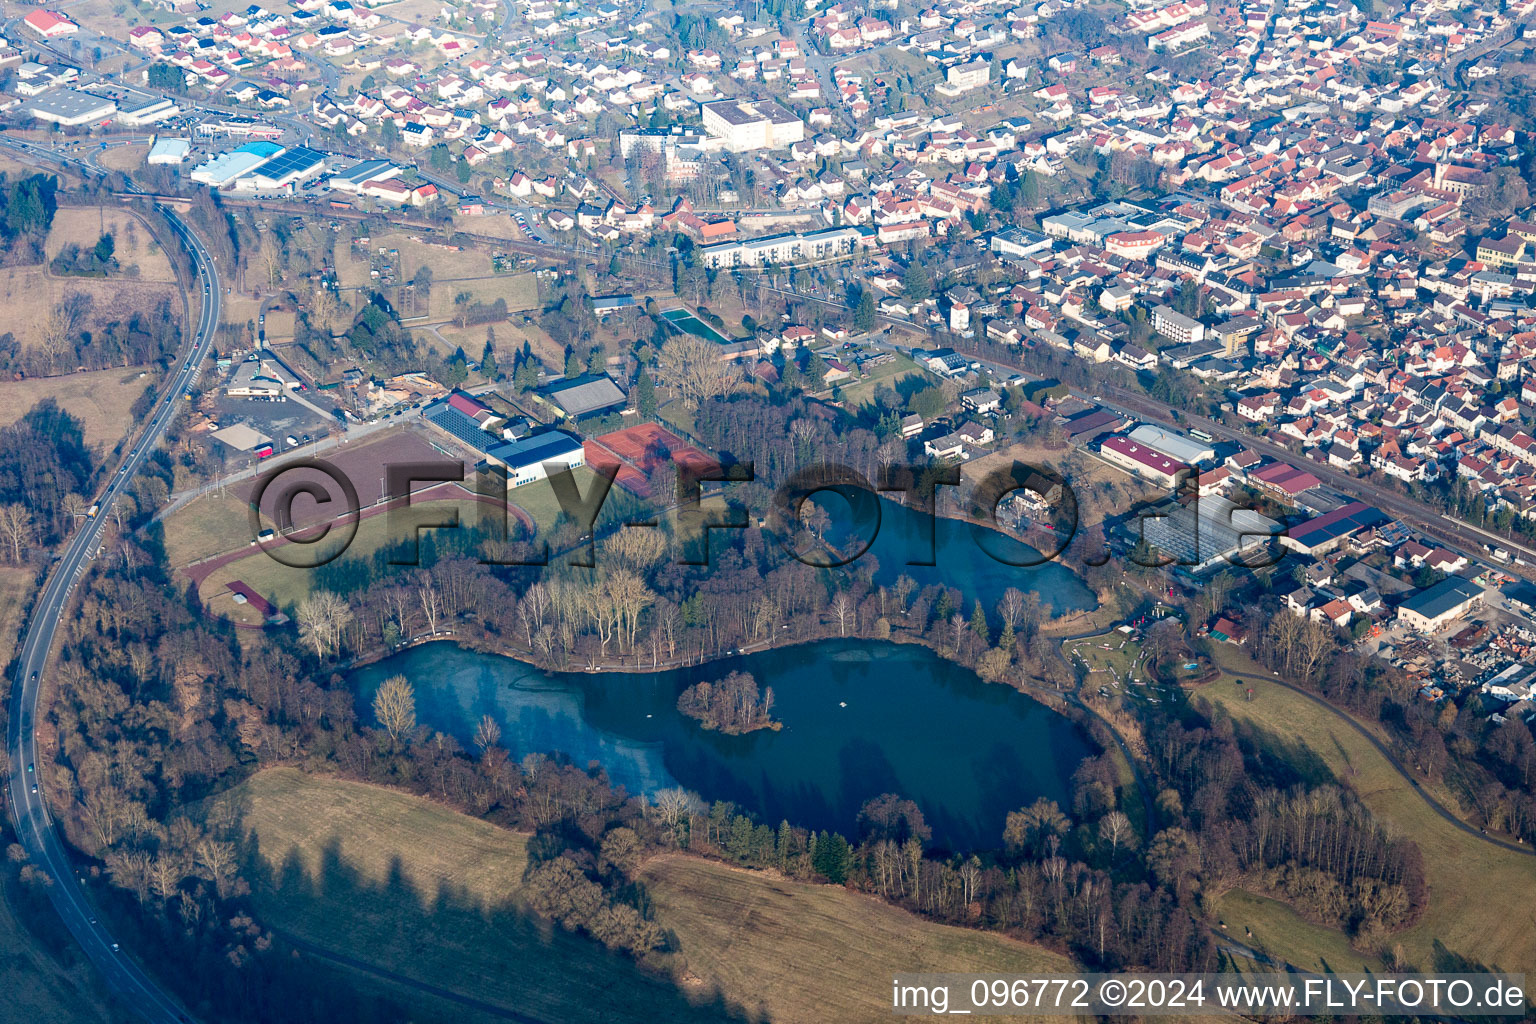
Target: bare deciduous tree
point(1115, 829)
point(16, 528)
point(395, 706)
point(842, 609)
point(487, 733)
point(322, 618)
point(697, 369)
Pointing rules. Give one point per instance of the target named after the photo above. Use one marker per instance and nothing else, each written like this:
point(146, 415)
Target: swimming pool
point(684, 321)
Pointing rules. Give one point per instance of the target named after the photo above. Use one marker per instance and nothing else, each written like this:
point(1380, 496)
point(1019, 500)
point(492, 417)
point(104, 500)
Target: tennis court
point(641, 452)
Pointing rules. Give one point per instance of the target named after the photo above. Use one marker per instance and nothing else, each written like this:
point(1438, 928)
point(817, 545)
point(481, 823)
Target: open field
point(16, 587)
point(890, 373)
point(29, 294)
point(804, 950)
point(431, 894)
point(1470, 913)
point(283, 585)
point(454, 272)
point(134, 245)
point(1274, 929)
point(446, 261)
point(101, 398)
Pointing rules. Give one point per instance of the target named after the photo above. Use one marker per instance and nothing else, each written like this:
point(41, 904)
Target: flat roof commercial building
point(169, 151)
point(148, 112)
point(1175, 446)
point(529, 459)
point(352, 179)
point(744, 125)
point(223, 169)
point(70, 107)
point(287, 168)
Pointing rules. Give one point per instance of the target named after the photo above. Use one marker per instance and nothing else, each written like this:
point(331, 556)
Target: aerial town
point(1222, 314)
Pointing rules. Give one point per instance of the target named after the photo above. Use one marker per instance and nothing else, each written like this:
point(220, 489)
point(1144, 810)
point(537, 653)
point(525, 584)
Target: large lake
point(860, 718)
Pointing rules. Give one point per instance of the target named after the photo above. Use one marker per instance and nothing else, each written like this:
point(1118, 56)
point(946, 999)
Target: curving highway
point(26, 788)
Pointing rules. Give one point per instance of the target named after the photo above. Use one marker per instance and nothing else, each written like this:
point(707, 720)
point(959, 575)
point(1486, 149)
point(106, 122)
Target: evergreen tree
point(832, 858)
point(488, 367)
point(645, 395)
point(526, 377)
point(979, 623)
point(454, 371)
point(572, 363)
point(864, 314)
point(917, 283)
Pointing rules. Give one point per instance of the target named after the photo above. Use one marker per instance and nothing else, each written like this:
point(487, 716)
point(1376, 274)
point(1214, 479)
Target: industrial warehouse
point(260, 167)
point(71, 108)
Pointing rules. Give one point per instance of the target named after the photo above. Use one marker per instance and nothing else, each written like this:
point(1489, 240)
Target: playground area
point(1114, 661)
point(1119, 662)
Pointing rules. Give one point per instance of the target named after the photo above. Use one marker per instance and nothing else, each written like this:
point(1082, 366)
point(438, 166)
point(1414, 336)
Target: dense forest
point(45, 470)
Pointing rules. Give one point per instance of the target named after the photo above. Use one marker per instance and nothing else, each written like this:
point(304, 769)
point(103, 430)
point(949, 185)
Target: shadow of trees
point(460, 954)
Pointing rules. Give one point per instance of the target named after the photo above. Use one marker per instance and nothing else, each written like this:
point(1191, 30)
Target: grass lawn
point(678, 415)
point(538, 498)
point(1470, 910)
point(124, 158)
point(889, 373)
point(794, 952)
point(133, 244)
point(207, 524)
point(1106, 668)
point(210, 524)
point(432, 895)
point(1273, 928)
point(284, 584)
point(16, 587)
point(1101, 489)
point(42, 987)
point(101, 398)
point(409, 886)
